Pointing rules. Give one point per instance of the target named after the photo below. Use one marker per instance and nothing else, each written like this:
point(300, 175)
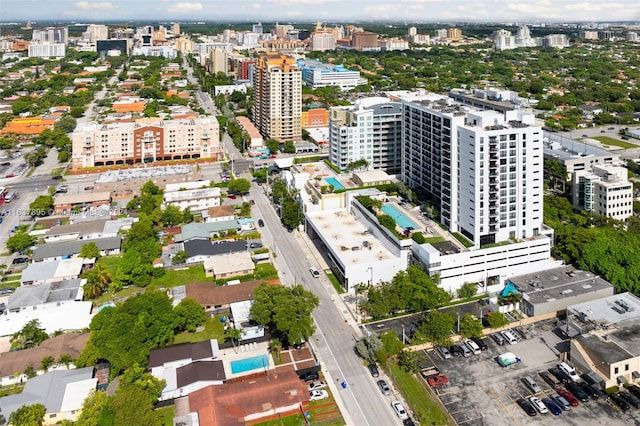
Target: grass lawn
point(614, 142)
point(335, 283)
point(174, 277)
point(293, 420)
point(432, 240)
point(421, 401)
point(111, 263)
point(166, 415)
point(213, 329)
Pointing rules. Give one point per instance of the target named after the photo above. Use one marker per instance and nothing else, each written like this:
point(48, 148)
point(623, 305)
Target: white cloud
point(85, 5)
point(299, 2)
point(255, 6)
point(185, 7)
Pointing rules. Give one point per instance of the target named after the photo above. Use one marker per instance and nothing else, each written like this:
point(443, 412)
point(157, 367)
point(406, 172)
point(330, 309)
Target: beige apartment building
point(277, 91)
point(146, 140)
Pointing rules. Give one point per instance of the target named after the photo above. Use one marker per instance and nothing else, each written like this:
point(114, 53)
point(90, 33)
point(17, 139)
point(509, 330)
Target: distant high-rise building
point(175, 29)
point(631, 36)
point(364, 41)
point(51, 35)
point(277, 92)
point(280, 31)
point(257, 28)
point(555, 40)
point(321, 41)
point(370, 130)
point(441, 33)
point(316, 74)
point(413, 31)
point(589, 35)
point(46, 50)
point(454, 33)
point(96, 32)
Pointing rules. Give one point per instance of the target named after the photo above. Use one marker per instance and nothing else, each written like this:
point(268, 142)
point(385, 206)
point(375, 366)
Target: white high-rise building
point(481, 169)
point(51, 35)
point(321, 41)
point(370, 130)
point(95, 32)
point(47, 50)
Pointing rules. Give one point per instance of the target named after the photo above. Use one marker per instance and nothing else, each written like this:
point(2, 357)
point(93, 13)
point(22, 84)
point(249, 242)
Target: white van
point(569, 371)
point(473, 346)
point(510, 337)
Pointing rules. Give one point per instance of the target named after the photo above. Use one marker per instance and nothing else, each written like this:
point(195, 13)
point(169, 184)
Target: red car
point(437, 380)
point(88, 188)
point(232, 196)
point(569, 397)
point(10, 175)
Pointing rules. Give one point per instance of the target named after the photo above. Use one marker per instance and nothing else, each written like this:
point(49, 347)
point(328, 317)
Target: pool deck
point(245, 351)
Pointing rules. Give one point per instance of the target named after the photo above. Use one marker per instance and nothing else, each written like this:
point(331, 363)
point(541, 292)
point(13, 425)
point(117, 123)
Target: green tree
point(467, 291)
point(368, 348)
point(98, 280)
point(289, 147)
point(239, 186)
point(92, 408)
point(273, 145)
point(46, 362)
point(470, 326)
point(76, 112)
point(30, 336)
point(125, 334)
point(20, 241)
point(233, 335)
point(408, 360)
point(285, 311)
point(497, 319)
point(28, 415)
point(66, 124)
point(42, 205)
point(89, 251)
point(129, 406)
point(65, 360)
point(171, 216)
point(189, 314)
point(150, 188)
point(137, 376)
point(436, 328)
point(30, 372)
point(180, 257)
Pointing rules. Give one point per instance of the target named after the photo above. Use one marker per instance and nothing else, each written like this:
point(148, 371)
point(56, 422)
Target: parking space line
point(506, 409)
point(470, 420)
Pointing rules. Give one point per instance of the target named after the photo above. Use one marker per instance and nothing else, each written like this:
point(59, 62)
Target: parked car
point(481, 344)
point(465, 350)
point(19, 260)
point(260, 223)
point(577, 392)
point(569, 371)
point(232, 196)
point(255, 245)
point(437, 380)
point(634, 389)
point(444, 352)
point(6, 290)
point(560, 375)
point(472, 346)
point(384, 387)
point(510, 337)
point(10, 175)
point(538, 405)
point(399, 409)
point(408, 422)
point(527, 407)
point(531, 384)
point(552, 406)
point(498, 338)
point(561, 401)
point(6, 163)
point(550, 379)
point(456, 350)
point(316, 384)
point(315, 272)
point(373, 369)
point(620, 402)
point(308, 376)
point(633, 400)
point(88, 188)
point(318, 394)
point(591, 390)
point(568, 396)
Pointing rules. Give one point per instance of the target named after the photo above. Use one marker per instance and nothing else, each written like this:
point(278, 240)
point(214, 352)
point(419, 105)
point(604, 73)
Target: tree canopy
point(28, 415)
point(30, 336)
point(125, 334)
point(285, 311)
point(239, 186)
point(436, 327)
point(20, 241)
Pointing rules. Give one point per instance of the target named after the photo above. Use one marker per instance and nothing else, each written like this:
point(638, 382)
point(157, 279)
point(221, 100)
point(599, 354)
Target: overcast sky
point(329, 10)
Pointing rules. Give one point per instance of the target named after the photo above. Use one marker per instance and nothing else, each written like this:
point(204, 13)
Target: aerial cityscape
point(297, 212)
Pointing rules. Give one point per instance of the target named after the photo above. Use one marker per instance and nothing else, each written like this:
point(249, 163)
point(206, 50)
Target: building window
point(615, 370)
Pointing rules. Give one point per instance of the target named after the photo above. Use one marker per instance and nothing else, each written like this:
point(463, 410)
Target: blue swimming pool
point(403, 221)
point(335, 182)
point(248, 364)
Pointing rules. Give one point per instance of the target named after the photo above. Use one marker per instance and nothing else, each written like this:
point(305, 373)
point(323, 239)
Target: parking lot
point(481, 392)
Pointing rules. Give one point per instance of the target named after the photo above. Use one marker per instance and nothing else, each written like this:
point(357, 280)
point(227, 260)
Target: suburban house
point(67, 249)
point(59, 292)
point(187, 367)
point(199, 250)
point(214, 298)
point(70, 344)
point(51, 317)
point(236, 403)
point(66, 204)
point(102, 227)
point(62, 392)
point(206, 230)
point(229, 265)
point(53, 270)
point(197, 196)
point(219, 214)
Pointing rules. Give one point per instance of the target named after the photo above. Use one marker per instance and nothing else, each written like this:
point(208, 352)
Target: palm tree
point(46, 362)
point(65, 359)
point(98, 280)
point(275, 346)
point(232, 334)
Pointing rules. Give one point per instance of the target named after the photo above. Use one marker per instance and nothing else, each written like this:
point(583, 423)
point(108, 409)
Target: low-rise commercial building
point(604, 190)
point(66, 204)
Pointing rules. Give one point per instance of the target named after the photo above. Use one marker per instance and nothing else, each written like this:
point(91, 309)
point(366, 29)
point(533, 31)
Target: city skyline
point(291, 10)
